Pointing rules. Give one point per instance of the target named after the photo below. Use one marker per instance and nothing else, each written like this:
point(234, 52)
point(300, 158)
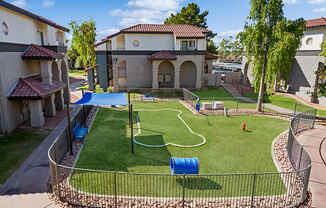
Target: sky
point(226, 17)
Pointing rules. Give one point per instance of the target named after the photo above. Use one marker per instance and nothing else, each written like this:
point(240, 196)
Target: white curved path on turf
point(173, 144)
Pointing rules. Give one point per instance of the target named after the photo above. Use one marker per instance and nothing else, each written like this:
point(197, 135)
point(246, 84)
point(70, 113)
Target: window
point(135, 43)
point(309, 41)
point(42, 38)
point(5, 29)
point(187, 45)
point(206, 68)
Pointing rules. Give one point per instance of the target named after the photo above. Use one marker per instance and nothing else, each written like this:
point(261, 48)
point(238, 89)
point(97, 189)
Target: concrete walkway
point(311, 141)
point(39, 200)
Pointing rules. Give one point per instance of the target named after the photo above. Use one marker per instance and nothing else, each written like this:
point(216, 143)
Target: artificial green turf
point(15, 148)
point(285, 102)
point(228, 150)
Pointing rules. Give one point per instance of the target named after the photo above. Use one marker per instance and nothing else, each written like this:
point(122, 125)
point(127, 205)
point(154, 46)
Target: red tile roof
point(179, 30)
point(33, 88)
point(38, 52)
point(31, 15)
point(320, 22)
point(210, 56)
point(163, 55)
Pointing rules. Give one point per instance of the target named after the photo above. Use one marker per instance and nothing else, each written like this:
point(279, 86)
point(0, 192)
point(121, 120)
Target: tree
point(211, 47)
point(224, 48)
point(83, 42)
point(287, 37)
point(191, 15)
point(262, 38)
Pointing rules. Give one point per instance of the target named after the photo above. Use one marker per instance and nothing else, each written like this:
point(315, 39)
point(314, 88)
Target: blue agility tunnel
point(184, 166)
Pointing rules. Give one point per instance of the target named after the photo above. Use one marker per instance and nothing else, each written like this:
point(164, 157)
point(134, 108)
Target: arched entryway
point(188, 75)
point(166, 75)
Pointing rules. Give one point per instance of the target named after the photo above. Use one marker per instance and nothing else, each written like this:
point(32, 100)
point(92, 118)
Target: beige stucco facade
point(144, 73)
point(24, 29)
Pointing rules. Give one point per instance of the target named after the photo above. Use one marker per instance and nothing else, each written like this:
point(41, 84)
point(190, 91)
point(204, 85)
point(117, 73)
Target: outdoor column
point(36, 113)
point(115, 77)
point(46, 72)
point(50, 106)
point(177, 78)
point(155, 75)
point(65, 79)
point(199, 71)
point(59, 100)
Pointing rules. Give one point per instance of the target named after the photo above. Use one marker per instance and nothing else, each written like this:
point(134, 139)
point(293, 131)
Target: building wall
point(139, 70)
point(316, 38)
point(25, 30)
point(152, 42)
point(12, 68)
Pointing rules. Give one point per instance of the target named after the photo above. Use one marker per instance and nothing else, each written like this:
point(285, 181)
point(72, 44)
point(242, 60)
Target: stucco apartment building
point(302, 80)
point(155, 56)
point(33, 68)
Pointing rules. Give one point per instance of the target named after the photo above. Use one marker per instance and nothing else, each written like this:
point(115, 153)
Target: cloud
point(48, 3)
point(316, 1)
point(100, 35)
point(146, 11)
point(225, 34)
point(323, 9)
point(20, 3)
point(290, 1)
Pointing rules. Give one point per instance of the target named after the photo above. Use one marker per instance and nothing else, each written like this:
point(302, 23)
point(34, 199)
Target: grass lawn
point(15, 148)
point(219, 94)
point(77, 73)
point(285, 102)
point(228, 150)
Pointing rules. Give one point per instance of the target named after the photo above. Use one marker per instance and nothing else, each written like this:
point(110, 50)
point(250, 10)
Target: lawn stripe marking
point(167, 144)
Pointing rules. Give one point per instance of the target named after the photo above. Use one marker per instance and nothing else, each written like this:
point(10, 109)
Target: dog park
point(162, 151)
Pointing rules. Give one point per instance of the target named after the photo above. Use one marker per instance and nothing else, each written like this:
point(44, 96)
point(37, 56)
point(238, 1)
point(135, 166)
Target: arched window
point(309, 41)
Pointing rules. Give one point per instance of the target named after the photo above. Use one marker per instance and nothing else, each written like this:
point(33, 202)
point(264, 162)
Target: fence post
point(300, 158)
point(253, 190)
point(314, 119)
point(305, 184)
point(237, 105)
point(295, 109)
point(183, 190)
point(115, 190)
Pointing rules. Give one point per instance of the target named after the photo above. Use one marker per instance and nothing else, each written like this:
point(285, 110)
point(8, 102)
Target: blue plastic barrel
point(184, 166)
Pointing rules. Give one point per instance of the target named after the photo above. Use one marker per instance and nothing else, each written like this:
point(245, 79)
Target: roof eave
point(31, 15)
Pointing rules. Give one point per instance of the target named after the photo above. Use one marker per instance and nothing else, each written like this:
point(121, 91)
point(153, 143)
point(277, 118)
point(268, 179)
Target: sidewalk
point(311, 141)
point(39, 200)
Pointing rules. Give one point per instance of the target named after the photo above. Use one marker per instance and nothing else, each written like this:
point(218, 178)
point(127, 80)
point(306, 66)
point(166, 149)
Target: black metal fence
point(99, 188)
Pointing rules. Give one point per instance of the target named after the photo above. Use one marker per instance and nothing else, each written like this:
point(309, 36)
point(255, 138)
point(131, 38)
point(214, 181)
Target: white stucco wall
point(317, 38)
point(24, 29)
point(153, 42)
point(101, 47)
